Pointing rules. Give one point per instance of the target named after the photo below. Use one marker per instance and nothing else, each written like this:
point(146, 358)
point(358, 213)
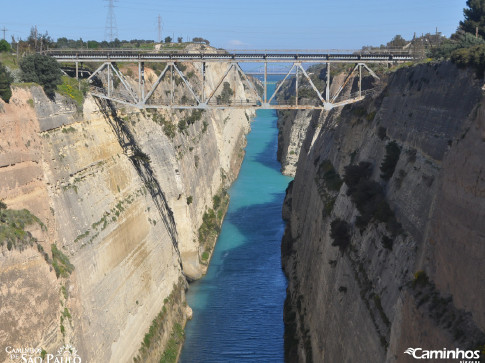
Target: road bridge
point(206, 97)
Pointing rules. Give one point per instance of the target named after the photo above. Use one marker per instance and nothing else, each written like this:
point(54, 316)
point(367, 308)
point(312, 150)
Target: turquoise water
point(238, 305)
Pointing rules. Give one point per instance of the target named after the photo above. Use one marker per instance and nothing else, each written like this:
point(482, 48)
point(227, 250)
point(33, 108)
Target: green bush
point(354, 174)
point(393, 151)
point(42, 70)
point(70, 88)
point(5, 82)
point(12, 227)
point(4, 46)
point(458, 41)
point(225, 96)
point(470, 57)
point(340, 233)
point(62, 266)
point(327, 172)
point(189, 200)
point(369, 198)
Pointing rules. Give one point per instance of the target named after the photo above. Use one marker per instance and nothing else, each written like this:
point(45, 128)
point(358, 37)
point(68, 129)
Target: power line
point(4, 30)
point(111, 30)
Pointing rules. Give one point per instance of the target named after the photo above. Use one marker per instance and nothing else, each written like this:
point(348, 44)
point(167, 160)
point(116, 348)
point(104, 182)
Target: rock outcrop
point(388, 254)
point(122, 200)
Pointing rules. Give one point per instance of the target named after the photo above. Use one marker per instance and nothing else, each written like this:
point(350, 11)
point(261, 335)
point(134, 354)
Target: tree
point(180, 39)
point(42, 70)
point(38, 41)
point(397, 42)
point(474, 17)
point(5, 82)
point(4, 46)
point(168, 39)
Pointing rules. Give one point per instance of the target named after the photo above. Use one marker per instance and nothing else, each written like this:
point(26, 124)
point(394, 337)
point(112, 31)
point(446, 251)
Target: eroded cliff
point(122, 194)
point(385, 237)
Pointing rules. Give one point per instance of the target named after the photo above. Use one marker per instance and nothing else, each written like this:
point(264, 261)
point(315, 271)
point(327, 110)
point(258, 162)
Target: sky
point(236, 24)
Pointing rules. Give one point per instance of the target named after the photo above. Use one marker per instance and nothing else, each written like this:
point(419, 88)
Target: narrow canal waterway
point(238, 305)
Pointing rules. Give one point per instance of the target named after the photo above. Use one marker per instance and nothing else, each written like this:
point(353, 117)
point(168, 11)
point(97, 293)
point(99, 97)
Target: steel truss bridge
point(206, 96)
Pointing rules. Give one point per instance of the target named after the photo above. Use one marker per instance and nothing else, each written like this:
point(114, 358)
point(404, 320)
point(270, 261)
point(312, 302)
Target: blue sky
point(249, 24)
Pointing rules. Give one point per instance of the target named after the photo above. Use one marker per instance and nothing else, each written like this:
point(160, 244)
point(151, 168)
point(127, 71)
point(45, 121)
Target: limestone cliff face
point(123, 201)
point(411, 276)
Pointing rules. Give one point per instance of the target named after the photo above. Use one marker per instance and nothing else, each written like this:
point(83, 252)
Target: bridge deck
point(124, 56)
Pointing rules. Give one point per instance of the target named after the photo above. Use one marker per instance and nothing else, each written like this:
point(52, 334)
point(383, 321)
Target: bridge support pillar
point(141, 81)
point(77, 70)
point(265, 82)
point(203, 84)
point(109, 79)
point(327, 90)
point(360, 80)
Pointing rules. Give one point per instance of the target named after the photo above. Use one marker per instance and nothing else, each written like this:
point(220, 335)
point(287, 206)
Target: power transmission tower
point(159, 28)
point(111, 30)
point(4, 30)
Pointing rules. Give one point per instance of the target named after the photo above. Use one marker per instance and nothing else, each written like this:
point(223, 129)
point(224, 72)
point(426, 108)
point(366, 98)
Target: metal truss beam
point(201, 102)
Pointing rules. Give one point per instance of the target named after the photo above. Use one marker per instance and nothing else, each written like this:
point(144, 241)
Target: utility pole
point(159, 28)
point(4, 30)
point(111, 30)
point(35, 38)
point(476, 32)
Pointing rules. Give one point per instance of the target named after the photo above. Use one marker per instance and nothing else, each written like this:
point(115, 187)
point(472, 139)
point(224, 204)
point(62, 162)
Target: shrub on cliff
point(369, 198)
point(42, 70)
point(393, 151)
point(327, 172)
point(459, 40)
point(340, 233)
point(225, 96)
point(354, 174)
point(471, 57)
point(5, 82)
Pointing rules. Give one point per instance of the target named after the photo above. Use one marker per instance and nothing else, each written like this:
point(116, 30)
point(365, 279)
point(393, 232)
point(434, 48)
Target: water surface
point(238, 305)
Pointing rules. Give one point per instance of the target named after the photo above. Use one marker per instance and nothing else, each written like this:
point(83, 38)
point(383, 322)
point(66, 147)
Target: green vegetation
point(68, 130)
point(189, 200)
point(159, 326)
point(420, 279)
point(168, 127)
point(327, 172)
point(205, 255)
point(225, 96)
point(473, 57)
point(393, 151)
point(369, 198)
point(212, 220)
point(177, 337)
point(4, 46)
point(9, 60)
point(12, 227)
point(42, 70)
point(5, 82)
point(200, 40)
point(340, 233)
point(381, 132)
point(62, 266)
point(474, 17)
point(73, 90)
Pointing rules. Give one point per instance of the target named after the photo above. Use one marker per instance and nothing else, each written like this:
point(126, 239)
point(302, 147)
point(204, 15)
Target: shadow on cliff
point(141, 163)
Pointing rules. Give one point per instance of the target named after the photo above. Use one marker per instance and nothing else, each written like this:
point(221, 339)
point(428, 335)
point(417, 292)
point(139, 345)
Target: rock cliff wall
point(392, 257)
point(122, 200)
